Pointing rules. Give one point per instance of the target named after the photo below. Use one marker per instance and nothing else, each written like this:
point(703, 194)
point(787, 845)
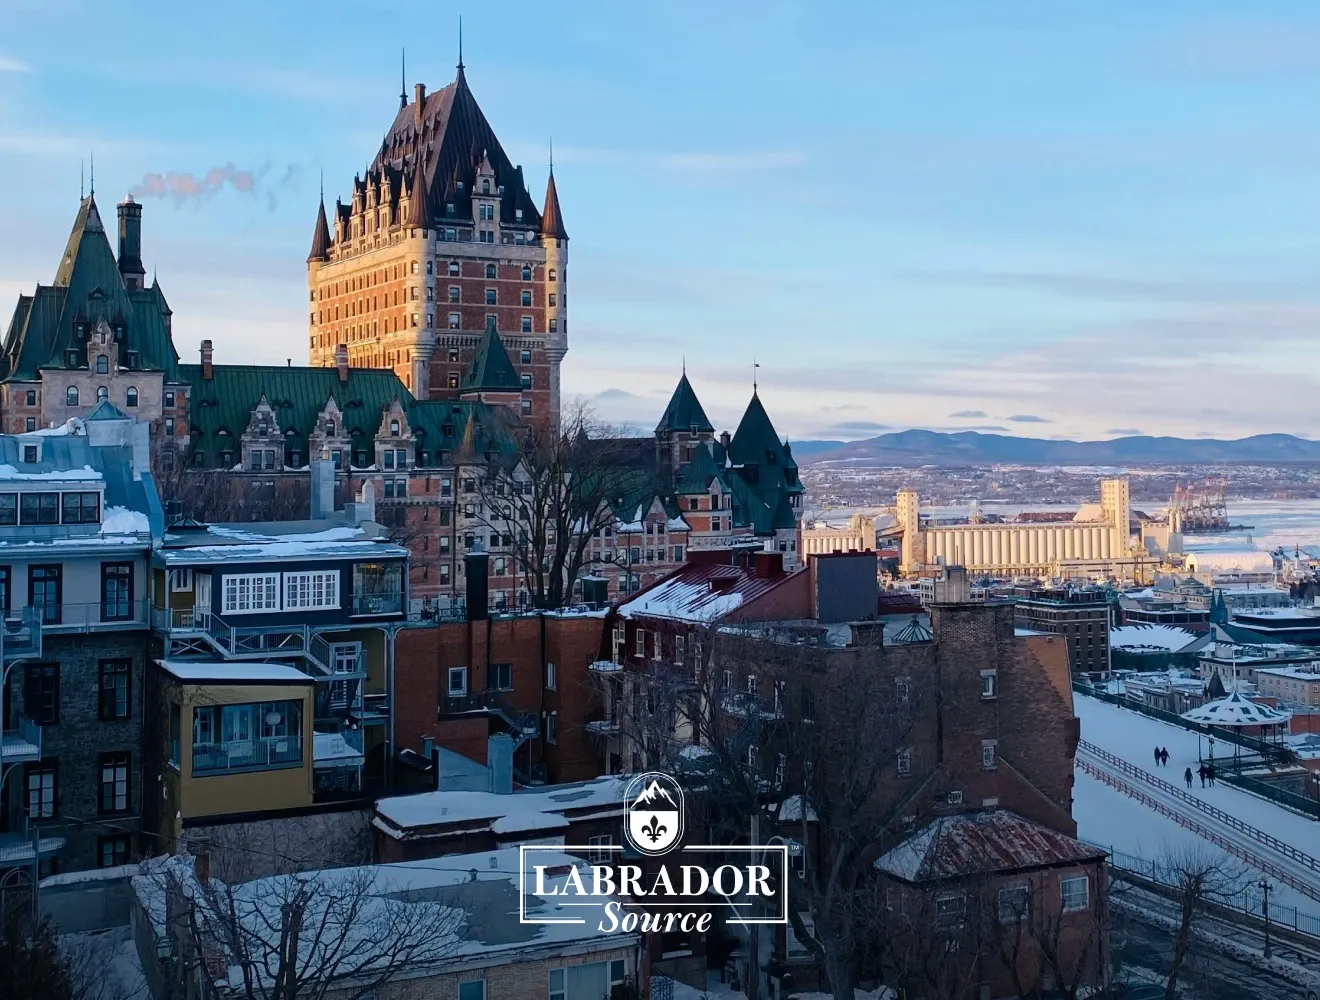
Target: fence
point(1248, 901)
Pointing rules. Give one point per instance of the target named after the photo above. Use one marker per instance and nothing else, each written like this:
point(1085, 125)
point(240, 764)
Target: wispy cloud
point(1123, 431)
point(183, 187)
point(1028, 418)
point(969, 415)
point(8, 65)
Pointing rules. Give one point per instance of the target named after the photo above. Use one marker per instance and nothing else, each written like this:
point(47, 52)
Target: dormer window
point(329, 428)
point(485, 186)
point(79, 330)
point(449, 208)
point(394, 428)
point(517, 215)
point(133, 360)
point(102, 365)
point(30, 454)
point(70, 359)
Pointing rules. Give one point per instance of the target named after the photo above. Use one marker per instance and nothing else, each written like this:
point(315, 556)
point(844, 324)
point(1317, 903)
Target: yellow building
point(237, 740)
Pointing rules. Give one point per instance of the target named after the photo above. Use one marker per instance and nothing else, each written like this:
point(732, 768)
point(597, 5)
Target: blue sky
point(1021, 216)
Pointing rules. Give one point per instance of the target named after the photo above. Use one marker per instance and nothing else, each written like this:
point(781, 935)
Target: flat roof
point(239, 670)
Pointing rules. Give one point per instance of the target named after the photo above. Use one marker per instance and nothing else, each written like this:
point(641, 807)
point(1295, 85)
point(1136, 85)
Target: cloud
point(8, 65)
point(615, 394)
point(968, 414)
point(1124, 431)
point(860, 425)
point(186, 187)
point(1028, 418)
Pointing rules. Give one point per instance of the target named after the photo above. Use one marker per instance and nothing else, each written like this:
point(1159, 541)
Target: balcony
point(26, 841)
point(100, 616)
point(20, 744)
point(365, 605)
point(20, 635)
point(265, 754)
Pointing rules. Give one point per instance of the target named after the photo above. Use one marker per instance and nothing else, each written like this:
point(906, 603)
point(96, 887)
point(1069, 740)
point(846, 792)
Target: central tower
point(439, 243)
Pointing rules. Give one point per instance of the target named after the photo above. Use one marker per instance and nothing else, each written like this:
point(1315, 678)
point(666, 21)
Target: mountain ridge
point(921, 447)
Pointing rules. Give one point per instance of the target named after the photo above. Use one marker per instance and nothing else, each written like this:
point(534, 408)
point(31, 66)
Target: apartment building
point(1080, 615)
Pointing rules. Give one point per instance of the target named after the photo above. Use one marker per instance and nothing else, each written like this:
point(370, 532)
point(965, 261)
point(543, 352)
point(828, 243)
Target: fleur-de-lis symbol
point(655, 829)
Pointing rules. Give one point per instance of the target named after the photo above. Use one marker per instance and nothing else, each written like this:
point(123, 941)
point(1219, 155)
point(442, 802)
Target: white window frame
point(250, 593)
point(680, 649)
point(181, 579)
point(639, 643)
point(989, 684)
point(462, 689)
point(1065, 884)
point(314, 590)
point(345, 654)
point(989, 755)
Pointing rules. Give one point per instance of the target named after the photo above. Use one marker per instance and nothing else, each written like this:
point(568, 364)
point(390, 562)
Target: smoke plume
point(183, 187)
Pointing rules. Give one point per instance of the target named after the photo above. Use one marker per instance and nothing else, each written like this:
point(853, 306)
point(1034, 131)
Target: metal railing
point(1233, 848)
point(22, 742)
point(1247, 901)
point(243, 755)
point(391, 603)
point(30, 839)
point(1217, 814)
point(20, 635)
point(181, 619)
point(136, 613)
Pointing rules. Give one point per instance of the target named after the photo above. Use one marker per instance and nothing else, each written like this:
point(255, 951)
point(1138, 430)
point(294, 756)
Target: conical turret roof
point(684, 412)
point(321, 236)
point(552, 219)
point(491, 370)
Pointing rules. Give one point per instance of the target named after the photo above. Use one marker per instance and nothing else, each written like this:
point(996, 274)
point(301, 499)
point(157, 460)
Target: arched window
point(102, 365)
point(394, 428)
point(71, 396)
point(527, 272)
point(130, 398)
point(552, 274)
point(490, 271)
point(102, 394)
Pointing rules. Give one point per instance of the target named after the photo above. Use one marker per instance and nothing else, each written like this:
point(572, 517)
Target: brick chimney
point(420, 92)
point(206, 360)
point(341, 361)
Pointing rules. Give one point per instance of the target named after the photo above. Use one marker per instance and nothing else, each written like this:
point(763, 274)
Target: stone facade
point(76, 742)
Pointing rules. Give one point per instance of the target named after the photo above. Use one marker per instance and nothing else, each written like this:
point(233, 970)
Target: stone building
point(440, 243)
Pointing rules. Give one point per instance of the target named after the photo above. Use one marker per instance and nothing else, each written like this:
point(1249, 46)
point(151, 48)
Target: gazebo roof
point(1235, 712)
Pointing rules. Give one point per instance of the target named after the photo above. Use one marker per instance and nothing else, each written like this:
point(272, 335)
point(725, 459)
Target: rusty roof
point(705, 591)
point(978, 843)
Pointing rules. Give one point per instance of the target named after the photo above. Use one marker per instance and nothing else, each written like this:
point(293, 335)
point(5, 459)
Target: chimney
point(420, 91)
point(341, 361)
point(202, 868)
point(207, 370)
point(130, 244)
point(322, 469)
point(365, 508)
point(476, 568)
point(724, 439)
point(499, 764)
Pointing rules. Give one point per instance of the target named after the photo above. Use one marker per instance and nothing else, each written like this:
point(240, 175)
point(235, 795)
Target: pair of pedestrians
point(1161, 757)
point(1207, 773)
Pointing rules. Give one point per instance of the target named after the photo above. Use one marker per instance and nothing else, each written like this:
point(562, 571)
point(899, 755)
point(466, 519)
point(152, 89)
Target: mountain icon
point(655, 796)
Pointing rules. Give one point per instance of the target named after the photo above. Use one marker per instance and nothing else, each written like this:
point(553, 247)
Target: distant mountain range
point(918, 447)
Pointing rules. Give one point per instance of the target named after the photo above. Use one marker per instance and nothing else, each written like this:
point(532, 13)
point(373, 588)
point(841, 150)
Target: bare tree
point(550, 493)
point(345, 932)
point(1198, 876)
point(220, 495)
point(93, 971)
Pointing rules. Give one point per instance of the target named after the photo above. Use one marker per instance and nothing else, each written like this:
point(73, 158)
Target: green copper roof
point(491, 370)
point(697, 475)
point(684, 412)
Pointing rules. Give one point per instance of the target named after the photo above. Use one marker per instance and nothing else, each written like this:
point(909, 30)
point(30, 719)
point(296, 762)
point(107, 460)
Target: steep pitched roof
point(698, 473)
point(491, 370)
point(320, 236)
point(684, 412)
point(552, 219)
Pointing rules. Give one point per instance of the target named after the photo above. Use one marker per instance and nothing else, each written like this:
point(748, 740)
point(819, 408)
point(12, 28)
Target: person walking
point(1164, 756)
point(1210, 775)
point(1202, 773)
point(1157, 756)
point(1187, 777)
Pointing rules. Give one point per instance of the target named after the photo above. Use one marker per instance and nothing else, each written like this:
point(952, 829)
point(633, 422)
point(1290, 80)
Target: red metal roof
point(975, 843)
point(704, 592)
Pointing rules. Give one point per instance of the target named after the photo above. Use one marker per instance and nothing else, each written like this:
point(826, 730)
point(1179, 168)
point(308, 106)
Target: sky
point(1054, 220)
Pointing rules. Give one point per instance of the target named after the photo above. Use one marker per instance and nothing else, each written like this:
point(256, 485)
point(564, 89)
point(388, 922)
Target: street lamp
point(1265, 887)
point(754, 930)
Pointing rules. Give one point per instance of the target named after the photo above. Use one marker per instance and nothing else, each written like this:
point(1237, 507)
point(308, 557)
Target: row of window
point(103, 392)
point(46, 592)
point(525, 324)
point(453, 269)
point(989, 758)
point(635, 555)
point(41, 691)
point(262, 593)
point(1012, 903)
point(492, 297)
point(41, 786)
point(50, 508)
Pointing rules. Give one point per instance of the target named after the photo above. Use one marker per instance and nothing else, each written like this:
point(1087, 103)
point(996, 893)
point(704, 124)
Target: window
point(40, 508)
point(169, 398)
point(905, 761)
point(453, 267)
point(989, 684)
point(525, 406)
point(473, 990)
point(169, 427)
point(950, 908)
point(81, 508)
point(181, 579)
point(549, 676)
point(29, 453)
point(308, 591)
point(102, 393)
point(30, 397)
point(41, 693)
point(114, 783)
point(525, 325)
point(130, 397)
point(1012, 904)
point(455, 321)
point(46, 591)
point(250, 593)
point(5, 592)
point(639, 639)
point(1074, 893)
point(751, 684)
point(102, 365)
point(457, 682)
point(526, 297)
point(500, 677)
point(490, 297)
point(552, 727)
point(989, 755)
point(680, 649)
point(116, 592)
point(41, 783)
point(551, 276)
point(113, 851)
point(525, 357)
point(554, 326)
point(30, 424)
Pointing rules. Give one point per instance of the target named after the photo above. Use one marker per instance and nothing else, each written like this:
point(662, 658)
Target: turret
point(130, 244)
point(554, 238)
point(320, 237)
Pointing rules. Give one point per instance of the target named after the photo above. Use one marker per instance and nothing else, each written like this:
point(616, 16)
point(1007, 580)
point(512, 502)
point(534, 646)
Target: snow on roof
point(1292, 673)
point(1236, 711)
point(971, 843)
point(122, 521)
point(701, 592)
point(280, 550)
point(1243, 560)
point(521, 821)
point(474, 902)
point(86, 474)
point(1147, 638)
point(408, 812)
point(234, 670)
point(790, 810)
point(328, 747)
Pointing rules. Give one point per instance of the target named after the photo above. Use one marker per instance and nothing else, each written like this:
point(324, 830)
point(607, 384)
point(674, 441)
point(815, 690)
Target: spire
point(684, 412)
point(460, 44)
point(92, 190)
point(403, 79)
point(419, 215)
point(552, 221)
point(82, 179)
point(321, 235)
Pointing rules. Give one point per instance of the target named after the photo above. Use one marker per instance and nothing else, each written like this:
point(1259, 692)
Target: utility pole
point(1265, 910)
